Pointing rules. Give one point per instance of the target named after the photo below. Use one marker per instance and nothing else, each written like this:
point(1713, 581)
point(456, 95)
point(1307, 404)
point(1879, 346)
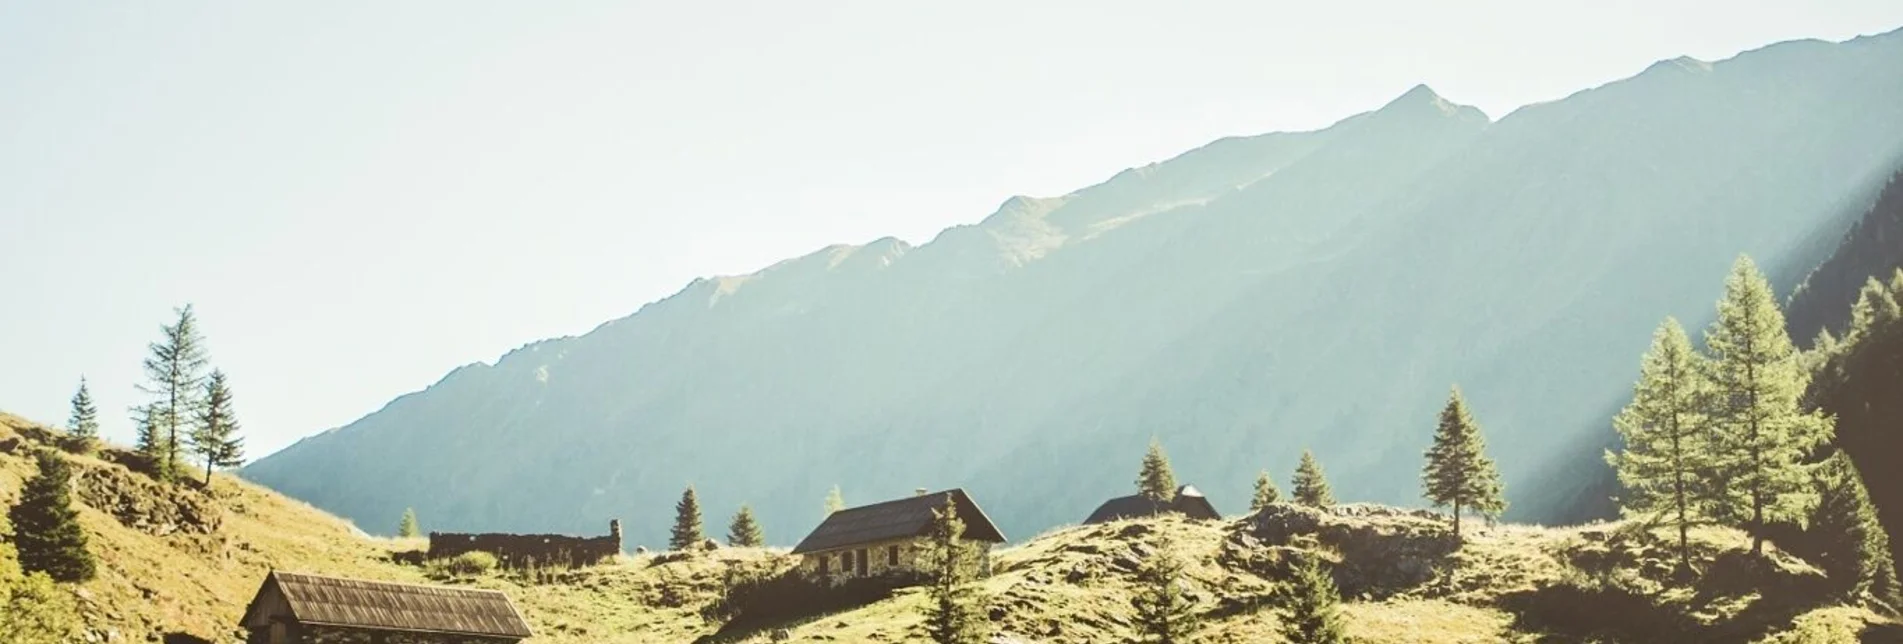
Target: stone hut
point(295, 608)
point(522, 550)
point(1189, 502)
point(886, 538)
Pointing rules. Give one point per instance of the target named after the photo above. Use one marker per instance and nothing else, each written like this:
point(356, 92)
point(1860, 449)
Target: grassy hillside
point(195, 558)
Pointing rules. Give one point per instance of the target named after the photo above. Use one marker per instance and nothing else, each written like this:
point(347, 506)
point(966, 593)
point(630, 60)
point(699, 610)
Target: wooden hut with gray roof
point(295, 608)
point(886, 538)
point(1188, 502)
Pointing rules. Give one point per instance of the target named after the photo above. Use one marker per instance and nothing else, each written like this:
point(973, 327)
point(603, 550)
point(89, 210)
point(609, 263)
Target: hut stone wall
point(521, 550)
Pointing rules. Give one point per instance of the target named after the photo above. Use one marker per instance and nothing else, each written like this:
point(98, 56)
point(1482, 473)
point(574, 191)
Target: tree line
point(1725, 436)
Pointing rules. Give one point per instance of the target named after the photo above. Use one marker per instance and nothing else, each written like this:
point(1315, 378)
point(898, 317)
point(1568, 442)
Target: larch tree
point(1762, 435)
point(1852, 548)
point(1458, 472)
point(215, 435)
point(744, 531)
point(1310, 486)
point(686, 533)
point(1311, 606)
point(834, 501)
point(46, 528)
point(1155, 481)
point(1663, 461)
point(175, 376)
point(953, 608)
point(1265, 492)
point(408, 526)
point(83, 424)
point(1165, 614)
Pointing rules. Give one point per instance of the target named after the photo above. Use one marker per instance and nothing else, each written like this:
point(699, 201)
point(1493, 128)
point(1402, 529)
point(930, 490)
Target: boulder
point(1382, 551)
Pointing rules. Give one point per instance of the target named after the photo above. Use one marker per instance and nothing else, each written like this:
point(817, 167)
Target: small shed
point(292, 608)
point(886, 538)
point(1189, 502)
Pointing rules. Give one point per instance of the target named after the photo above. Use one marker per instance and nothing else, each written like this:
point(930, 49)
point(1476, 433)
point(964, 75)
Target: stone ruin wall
point(523, 550)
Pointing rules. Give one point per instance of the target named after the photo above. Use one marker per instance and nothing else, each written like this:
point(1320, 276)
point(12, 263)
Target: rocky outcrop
point(146, 505)
point(1374, 551)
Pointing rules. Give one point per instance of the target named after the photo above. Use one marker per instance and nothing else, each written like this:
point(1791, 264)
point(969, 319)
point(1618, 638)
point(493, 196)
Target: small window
point(825, 564)
point(891, 555)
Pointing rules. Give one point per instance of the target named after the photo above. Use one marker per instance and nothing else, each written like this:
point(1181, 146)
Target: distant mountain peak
point(1422, 99)
point(1420, 94)
point(1681, 64)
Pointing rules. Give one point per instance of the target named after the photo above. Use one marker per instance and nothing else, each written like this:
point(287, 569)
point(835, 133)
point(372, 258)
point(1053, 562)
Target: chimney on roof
point(919, 491)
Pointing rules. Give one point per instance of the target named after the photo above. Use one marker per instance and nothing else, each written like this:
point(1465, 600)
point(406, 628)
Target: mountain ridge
point(1200, 298)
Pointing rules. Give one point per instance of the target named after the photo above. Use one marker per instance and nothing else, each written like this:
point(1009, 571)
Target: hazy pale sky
point(360, 196)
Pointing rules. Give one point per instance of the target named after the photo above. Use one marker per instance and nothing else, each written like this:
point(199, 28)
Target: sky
point(357, 197)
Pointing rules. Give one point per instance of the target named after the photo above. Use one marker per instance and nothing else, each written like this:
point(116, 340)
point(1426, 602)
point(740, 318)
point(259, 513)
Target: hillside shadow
point(1744, 597)
point(1881, 634)
point(1589, 613)
point(1781, 596)
point(756, 607)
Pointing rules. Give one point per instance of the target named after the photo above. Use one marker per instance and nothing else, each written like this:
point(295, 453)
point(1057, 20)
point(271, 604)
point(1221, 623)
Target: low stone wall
point(523, 550)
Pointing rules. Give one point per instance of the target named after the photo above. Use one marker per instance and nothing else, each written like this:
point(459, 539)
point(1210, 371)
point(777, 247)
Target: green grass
point(1071, 584)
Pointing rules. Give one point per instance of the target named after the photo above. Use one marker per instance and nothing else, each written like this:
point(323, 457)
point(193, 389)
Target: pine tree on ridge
point(1458, 472)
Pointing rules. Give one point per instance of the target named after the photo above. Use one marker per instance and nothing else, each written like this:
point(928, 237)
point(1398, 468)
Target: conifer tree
point(687, 532)
point(1762, 434)
point(1265, 492)
point(175, 375)
point(408, 527)
point(834, 501)
point(1458, 472)
point(46, 527)
point(1311, 606)
point(1664, 462)
point(744, 531)
point(1311, 487)
point(215, 436)
point(1875, 305)
point(953, 611)
point(83, 425)
point(33, 610)
point(1155, 482)
point(1852, 548)
point(150, 439)
point(1164, 612)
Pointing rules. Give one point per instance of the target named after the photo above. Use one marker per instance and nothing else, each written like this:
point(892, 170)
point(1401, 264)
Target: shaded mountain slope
point(1240, 302)
point(1873, 248)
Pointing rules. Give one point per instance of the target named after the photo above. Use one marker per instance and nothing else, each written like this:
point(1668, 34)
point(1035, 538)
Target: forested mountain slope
point(1240, 302)
point(1872, 249)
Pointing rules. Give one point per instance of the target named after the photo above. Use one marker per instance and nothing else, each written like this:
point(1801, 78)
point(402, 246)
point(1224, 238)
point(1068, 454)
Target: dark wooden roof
point(1189, 502)
point(386, 606)
point(898, 518)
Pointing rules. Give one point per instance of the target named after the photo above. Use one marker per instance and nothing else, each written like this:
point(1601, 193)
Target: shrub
point(468, 564)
